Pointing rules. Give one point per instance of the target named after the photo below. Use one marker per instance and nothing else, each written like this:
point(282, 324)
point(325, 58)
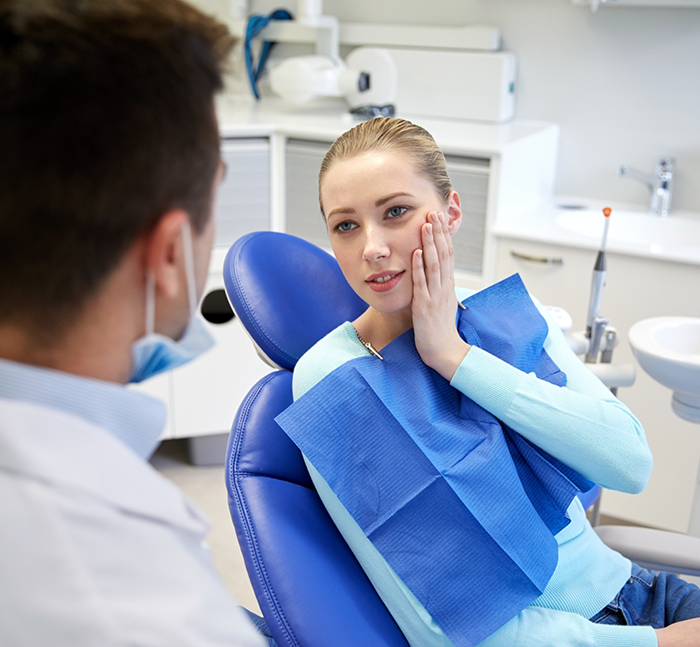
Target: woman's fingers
point(434, 300)
point(443, 245)
point(420, 285)
point(438, 252)
point(431, 262)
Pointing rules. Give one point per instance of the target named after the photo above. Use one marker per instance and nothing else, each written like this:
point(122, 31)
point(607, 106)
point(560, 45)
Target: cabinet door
point(636, 289)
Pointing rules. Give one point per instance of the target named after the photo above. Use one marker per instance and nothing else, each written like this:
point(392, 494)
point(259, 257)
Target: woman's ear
point(454, 213)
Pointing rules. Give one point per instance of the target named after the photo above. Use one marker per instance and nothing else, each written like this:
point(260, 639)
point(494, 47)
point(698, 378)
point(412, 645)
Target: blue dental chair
point(309, 586)
point(288, 294)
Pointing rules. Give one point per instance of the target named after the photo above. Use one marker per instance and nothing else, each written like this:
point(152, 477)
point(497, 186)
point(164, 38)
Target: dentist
point(109, 165)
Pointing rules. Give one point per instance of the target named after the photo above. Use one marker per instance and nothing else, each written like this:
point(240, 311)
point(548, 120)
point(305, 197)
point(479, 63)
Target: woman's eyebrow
point(386, 199)
point(341, 211)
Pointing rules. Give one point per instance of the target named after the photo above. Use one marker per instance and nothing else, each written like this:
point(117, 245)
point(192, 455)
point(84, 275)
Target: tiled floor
point(205, 486)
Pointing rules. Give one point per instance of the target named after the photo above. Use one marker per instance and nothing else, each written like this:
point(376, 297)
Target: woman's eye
point(395, 212)
point(345, 226)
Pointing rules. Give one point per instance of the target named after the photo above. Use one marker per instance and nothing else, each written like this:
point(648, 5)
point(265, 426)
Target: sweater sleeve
point(539, 627)
point(583, 424)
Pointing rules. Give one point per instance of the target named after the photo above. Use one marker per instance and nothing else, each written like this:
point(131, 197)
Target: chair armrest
point(655, 549)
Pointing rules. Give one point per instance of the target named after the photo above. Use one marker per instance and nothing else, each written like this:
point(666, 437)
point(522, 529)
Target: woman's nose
point(375, 245)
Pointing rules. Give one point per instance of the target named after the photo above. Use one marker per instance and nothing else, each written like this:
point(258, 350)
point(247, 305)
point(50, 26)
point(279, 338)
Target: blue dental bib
point(461, 507)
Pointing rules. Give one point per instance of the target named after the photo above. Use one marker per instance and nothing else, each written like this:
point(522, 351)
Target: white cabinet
point(206, 392)
point(637, 288)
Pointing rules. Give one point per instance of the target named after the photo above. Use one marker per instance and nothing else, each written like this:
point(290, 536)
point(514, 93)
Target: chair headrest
point(287, 293)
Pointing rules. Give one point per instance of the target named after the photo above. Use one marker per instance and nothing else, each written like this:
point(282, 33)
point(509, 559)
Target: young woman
point(391, 211)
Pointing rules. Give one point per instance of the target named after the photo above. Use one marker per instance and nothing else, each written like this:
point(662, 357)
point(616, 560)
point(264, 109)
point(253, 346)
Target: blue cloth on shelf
point(461, 507)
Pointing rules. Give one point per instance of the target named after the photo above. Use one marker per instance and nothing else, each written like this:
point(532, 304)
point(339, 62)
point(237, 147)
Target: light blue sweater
point(583, 425)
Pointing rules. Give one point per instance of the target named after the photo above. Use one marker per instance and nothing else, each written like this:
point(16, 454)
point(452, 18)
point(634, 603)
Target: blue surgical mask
point(155, 353)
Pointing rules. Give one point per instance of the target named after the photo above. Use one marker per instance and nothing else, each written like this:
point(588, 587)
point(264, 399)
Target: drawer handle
point(545, 260)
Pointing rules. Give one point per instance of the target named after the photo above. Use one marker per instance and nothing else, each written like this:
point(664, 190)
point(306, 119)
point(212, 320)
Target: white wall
point(623, 83)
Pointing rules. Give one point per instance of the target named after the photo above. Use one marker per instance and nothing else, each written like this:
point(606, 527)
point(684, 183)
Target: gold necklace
point(372, 350)
point(367, 345)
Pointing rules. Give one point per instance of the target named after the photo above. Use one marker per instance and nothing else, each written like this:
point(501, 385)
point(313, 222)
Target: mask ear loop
point(150, 303)
point(188, 251)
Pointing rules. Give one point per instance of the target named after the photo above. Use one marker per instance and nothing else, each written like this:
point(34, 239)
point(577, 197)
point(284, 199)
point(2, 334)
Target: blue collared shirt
point(135, 419)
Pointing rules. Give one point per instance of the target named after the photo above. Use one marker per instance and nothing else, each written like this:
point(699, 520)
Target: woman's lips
point(384, 282)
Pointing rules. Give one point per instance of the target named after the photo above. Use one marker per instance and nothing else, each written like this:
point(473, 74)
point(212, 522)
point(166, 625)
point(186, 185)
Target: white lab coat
point(97, 548)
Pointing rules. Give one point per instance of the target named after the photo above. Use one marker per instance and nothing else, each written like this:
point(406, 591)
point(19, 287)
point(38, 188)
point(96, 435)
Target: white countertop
point(241, 116)
point(671, 238)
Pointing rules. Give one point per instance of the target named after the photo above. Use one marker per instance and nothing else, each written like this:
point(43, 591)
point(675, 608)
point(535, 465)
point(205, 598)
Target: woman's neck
point(381, 328)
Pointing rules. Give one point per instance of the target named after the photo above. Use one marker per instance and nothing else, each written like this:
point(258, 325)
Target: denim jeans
point(652, 599)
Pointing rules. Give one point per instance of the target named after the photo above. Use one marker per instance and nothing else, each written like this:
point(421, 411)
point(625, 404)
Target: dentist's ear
point(454, 213)
point(164, 253)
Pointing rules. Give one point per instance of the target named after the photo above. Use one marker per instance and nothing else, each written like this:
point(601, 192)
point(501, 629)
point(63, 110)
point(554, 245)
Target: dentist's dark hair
point(386, 134)
point(106, 122)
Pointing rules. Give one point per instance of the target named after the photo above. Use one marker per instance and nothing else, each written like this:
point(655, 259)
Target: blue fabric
point(651, 599)
point(456, 503)
point(155, 353)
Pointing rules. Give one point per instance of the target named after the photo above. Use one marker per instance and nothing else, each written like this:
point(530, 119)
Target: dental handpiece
point(597, 285)
point(599, 272)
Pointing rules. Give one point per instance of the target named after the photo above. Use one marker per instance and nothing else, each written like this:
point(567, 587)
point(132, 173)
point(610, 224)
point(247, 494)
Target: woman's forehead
point(372, 172)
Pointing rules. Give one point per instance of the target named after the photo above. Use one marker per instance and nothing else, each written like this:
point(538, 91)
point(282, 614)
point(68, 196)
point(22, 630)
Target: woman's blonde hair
point(385, 134)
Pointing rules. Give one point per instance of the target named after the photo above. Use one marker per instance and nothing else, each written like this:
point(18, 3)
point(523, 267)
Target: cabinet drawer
point(557, 276)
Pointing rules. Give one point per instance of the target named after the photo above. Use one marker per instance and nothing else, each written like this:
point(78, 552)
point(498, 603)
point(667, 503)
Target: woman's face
point(375, 204)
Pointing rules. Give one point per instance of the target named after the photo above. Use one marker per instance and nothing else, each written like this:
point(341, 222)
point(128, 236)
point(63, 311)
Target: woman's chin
point(390, 306)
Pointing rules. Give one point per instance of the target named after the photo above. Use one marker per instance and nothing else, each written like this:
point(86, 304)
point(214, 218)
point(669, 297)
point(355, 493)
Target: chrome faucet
point(659, 184)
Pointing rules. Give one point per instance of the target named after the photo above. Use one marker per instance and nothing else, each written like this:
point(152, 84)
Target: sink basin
point(634, 228)
point(668, 349)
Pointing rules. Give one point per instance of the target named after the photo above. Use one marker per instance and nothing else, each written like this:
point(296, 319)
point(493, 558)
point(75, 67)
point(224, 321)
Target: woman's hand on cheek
point(434, 302)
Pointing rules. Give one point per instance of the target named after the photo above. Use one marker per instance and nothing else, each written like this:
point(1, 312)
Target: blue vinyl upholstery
point(287, 293)
point(311, 590)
